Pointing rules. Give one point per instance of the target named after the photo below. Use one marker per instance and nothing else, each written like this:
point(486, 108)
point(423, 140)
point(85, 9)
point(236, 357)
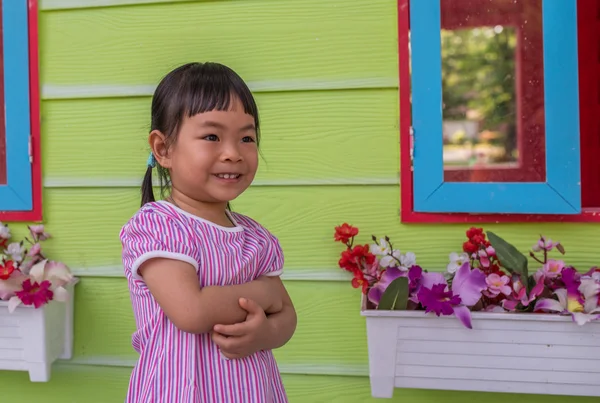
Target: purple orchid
point(438, 300)
point(466, 290)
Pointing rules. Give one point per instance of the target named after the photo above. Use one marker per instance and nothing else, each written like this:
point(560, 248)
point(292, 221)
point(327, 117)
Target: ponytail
point(147, 192)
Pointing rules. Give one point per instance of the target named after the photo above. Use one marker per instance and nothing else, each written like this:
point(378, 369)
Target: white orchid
point(408, 260)
point(456, 261)
point(380, 249)
point(15, 250)
point(4, 231)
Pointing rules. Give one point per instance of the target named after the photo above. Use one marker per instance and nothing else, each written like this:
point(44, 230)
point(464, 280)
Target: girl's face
point(215, 156)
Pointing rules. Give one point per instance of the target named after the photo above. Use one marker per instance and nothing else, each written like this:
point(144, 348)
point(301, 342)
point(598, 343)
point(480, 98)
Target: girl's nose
point(231, 153)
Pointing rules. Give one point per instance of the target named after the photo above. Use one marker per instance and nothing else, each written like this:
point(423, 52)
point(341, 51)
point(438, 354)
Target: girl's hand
point(245, 338)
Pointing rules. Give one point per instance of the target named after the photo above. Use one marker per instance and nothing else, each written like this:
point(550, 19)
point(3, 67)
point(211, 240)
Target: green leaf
point(395, 296)
point(510, 258)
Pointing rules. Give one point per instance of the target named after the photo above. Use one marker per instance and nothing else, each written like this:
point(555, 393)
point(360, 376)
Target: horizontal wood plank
point(85, 224)
point(330, 330)
point(302, 133)
point(261, 39)
point(89, 384)
point(330, 324)
point(46, 5)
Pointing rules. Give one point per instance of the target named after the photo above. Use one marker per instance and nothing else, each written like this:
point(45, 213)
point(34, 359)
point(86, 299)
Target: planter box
point(518, 353)
point(32, 339)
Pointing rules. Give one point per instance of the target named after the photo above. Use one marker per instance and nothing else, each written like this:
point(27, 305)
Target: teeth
point(228, 176)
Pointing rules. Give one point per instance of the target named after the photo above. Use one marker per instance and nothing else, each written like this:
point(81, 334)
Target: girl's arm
point(257, 332)
point(282, 323)
point(174, 285)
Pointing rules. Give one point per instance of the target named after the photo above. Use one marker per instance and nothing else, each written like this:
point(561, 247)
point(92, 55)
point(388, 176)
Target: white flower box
point(504, 352)
point(32, 339)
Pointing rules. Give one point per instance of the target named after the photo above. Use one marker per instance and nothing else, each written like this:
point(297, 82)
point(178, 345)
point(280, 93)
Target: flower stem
point(536, 259)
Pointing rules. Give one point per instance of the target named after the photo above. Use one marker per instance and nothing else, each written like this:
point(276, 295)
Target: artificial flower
point(381, 248)
point(519, 293)
point(570, 303)
point(552, 268)
point(38, 233)
point(467, 286)
point(15, 250)
point(34, 294)
point(407, 260)
point(391, 260)
point(456, 261)
point(389, 275)
point(544, 245)
point(438, 299)
point(353, 259)
point(4, 231)
point(497, 285)
point(55, 273)
point(34, 250)
point(9, 286)
point(359, 281)
point(6, 269)
point(344, 233)
point(470, 248)
point(475, 279)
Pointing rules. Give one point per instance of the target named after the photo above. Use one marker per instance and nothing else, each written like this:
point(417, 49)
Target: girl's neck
point(213, 212)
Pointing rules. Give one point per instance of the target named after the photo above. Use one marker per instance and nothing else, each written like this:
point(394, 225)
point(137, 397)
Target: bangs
point(216, 92)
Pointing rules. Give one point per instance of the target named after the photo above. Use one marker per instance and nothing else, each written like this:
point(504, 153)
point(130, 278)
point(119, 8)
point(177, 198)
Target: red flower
point(35, 294)
point(345, 232)
point(359, 280)
point(6, 270)
point(476, 240)
point(356, 258)
point(471, 232)
point(470, 248)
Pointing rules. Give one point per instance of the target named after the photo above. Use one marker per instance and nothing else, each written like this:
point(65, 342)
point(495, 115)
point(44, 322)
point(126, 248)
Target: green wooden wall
point(325, 77)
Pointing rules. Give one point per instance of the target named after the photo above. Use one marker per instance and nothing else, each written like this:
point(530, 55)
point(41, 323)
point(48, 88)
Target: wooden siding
point(325, 74)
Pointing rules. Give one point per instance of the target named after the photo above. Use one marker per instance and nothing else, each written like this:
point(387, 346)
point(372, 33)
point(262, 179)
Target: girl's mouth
point(229, 177)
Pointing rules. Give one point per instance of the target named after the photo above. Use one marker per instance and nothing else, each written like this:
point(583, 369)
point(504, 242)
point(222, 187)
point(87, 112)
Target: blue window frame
point(561, 192)
point(16, 194)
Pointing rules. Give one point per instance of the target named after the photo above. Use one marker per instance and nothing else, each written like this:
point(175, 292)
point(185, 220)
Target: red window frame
point(35, 214)
point(588, 14)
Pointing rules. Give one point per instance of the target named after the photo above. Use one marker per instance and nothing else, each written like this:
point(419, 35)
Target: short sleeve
point(271, 261)
point(151, 235)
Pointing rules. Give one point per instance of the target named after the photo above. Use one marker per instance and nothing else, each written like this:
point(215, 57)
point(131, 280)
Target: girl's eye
point(211, 137)
point(248, 139)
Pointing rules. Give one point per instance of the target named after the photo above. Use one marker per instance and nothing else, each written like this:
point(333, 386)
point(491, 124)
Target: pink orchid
point(519, 293)
point(497, 285)
point(544, 244)
point(552, 268)
point(35, 250)
point(38, 233)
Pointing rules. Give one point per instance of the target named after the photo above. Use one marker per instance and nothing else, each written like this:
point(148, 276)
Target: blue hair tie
point(151, 161)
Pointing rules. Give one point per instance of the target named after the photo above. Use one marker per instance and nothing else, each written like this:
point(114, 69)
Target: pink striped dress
point(179, 367)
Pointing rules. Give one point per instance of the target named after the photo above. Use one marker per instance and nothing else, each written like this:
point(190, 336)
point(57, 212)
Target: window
point(504, 96)
point(20, 176)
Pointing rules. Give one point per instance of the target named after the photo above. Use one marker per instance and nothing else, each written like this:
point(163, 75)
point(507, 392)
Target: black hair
point(186, 91)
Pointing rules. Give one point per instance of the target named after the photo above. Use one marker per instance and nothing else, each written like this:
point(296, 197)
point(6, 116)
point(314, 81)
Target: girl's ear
point(159, 148)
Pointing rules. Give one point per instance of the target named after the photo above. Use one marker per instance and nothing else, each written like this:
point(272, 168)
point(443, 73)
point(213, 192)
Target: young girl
point(204, 281)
